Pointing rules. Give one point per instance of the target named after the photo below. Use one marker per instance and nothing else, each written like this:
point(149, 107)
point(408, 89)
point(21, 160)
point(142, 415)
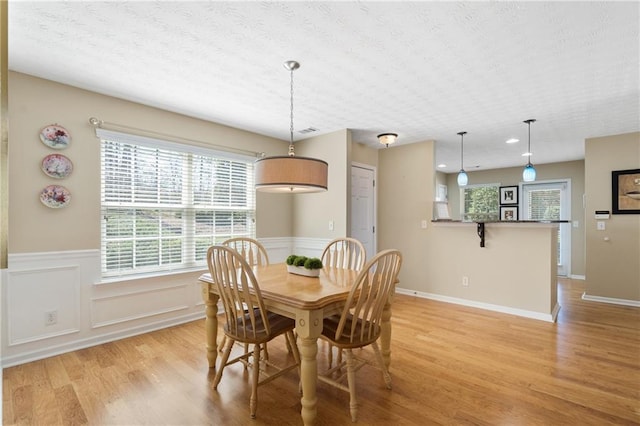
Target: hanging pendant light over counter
point(463, 178)
point(529, 172)
point(288, 173)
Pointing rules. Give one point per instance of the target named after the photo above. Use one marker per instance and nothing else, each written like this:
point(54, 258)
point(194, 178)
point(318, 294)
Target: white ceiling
point(425, 70)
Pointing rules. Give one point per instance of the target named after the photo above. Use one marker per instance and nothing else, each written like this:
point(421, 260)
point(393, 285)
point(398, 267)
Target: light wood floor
point(451, 365)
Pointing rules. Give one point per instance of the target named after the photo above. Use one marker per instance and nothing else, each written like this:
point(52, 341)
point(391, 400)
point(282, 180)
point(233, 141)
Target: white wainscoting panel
point(89, 311)
point(34, 293)
point(135, 305)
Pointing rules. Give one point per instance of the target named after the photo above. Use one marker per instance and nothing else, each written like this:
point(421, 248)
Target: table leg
point(308, 328)
point(385, 334)
point(211, 323)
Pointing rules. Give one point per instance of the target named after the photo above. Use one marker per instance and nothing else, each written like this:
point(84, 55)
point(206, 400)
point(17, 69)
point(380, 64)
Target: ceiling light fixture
point(463, 179)
point(288, 173)
point(529, 172)
point(387, 138)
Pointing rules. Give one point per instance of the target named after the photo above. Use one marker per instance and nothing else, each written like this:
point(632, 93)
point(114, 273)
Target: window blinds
point(163, 204)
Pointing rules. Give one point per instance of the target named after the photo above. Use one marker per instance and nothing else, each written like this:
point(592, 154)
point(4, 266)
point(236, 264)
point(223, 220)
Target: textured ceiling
point(425, 70)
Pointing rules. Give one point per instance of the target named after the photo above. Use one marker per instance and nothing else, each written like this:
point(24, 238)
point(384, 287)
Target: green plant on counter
point(303, 261)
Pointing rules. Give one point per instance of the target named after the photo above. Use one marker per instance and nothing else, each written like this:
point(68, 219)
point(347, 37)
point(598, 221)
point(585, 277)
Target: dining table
point(307, 300)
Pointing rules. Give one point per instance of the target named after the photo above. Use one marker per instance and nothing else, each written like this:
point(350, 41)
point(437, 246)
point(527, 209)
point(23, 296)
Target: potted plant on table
point(302, 265)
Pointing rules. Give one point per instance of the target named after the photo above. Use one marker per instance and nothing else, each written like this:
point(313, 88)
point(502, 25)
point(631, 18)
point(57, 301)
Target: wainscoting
point(55, 302)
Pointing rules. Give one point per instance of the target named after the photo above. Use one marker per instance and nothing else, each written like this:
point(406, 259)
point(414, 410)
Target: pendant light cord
point(529, 121)
point(462, 151)
point(291, 153)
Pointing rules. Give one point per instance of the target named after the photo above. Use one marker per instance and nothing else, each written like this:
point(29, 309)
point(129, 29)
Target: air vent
point(308, 130)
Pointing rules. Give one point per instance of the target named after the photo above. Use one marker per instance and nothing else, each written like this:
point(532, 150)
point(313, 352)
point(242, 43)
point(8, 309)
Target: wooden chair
point(345, 252)
point(247, 320)
point(256, 255)
point(252, 250)
point(359, 324)
point(348, 253)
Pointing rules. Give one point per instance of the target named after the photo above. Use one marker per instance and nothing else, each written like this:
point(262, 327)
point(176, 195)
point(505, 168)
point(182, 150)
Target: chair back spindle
point(347, 253)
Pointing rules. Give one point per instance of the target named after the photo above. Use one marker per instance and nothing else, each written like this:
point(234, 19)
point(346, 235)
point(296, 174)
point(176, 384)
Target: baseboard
point(35, 355)
point(481, 305)
point(611, 300)
point(578, 277)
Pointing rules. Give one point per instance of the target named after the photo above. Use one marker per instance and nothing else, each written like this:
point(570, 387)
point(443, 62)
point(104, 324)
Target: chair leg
point(385, 372)
point(223, 362)
point(222, 343)
point(330, 355)
point(351, 380)
point(255, 373)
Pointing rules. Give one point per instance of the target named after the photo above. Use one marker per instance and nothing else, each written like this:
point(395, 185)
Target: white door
point(551, 201)
point(363, 207)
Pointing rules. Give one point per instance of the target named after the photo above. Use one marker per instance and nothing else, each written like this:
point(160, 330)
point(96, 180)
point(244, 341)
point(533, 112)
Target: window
point(480, 202)
point(163, 204)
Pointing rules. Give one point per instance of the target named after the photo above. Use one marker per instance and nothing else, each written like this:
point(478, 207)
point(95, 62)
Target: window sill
point(138, 277)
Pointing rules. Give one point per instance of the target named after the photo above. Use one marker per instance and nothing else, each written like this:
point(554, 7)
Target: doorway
point(551, 200)
point(363, 203)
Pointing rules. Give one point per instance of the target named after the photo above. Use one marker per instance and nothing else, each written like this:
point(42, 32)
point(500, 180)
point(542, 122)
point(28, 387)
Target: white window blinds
point(163, 204)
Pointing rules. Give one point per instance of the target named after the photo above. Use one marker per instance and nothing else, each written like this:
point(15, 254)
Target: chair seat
point(278, 324)
point(330, 326)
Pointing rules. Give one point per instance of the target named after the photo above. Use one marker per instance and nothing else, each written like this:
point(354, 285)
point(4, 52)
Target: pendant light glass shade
point(463, 178)
point(288, 173)
point(529, 172)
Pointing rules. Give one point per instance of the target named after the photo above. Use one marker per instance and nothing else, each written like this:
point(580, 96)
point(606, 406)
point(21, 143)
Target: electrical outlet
point(465, 281)
point(50, 317)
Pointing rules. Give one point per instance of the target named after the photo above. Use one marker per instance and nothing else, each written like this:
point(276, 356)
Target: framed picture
point(508, 195)
point(625, 191)
point(508, 212)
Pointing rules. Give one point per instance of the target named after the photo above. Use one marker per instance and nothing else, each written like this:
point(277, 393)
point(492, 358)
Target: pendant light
point(288, 173)
point(463, 179)
point(529, 172)
point(387, 138)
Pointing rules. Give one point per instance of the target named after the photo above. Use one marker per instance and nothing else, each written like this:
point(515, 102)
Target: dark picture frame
point(508, 195)
point(625, 191)
point(508, 213)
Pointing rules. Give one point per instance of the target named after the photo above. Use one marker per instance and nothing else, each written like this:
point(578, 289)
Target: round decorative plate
point(55, 196)
point(57, 166)
point(55, 136)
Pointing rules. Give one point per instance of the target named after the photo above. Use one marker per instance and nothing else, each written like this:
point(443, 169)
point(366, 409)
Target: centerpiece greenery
point(303, 265)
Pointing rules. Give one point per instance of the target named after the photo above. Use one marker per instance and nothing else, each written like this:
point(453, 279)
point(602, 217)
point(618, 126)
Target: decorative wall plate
point(55, 196)
point(55, 136)
point(57, 166)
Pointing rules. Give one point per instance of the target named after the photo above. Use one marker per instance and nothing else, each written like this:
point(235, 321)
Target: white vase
point(301, 270)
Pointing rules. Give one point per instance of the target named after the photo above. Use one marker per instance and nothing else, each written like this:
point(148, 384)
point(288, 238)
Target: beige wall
point(405, 195)
point(613, 266)
point(35, 103)
point(363, 154)
point(573, 170)
point(312, 212)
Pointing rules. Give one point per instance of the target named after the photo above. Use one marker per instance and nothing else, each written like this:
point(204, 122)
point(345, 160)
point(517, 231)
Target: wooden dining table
point(308, 300)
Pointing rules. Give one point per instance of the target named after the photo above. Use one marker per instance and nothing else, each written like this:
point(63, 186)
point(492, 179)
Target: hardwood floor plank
point(451, 365)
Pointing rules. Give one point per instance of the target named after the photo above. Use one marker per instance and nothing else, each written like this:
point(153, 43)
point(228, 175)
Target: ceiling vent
point(308, 130)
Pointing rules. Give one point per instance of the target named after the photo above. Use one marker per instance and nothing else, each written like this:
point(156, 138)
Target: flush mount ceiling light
point(387, 138)
point(463, 179)
point(288, 173)
point(529, 172)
